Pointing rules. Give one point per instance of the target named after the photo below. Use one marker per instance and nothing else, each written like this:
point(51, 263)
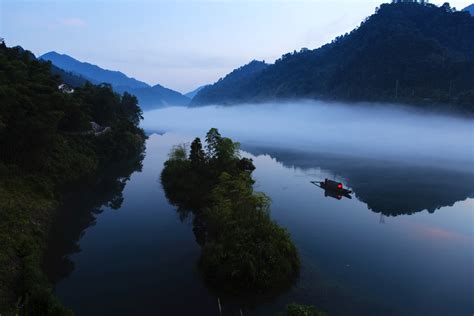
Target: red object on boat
point(333, 188)
point(332, 185)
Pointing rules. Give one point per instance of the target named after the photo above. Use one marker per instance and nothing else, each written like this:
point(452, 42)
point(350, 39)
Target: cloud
point(73, 22)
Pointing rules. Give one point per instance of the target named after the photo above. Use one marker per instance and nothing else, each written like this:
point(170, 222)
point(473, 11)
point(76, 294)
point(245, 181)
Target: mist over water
point(377, 131)
point(400, 245)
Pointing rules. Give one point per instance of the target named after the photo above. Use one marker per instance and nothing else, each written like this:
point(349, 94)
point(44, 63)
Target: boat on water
point(333, 189)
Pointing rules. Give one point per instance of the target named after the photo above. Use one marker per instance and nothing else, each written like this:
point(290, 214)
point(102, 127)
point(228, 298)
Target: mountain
point(157, 96)
point(231, 87)
point(93, 73)
point(69, 78)
point(405, 52)
point(470, 9)
point(191, 94)
point(75, 73)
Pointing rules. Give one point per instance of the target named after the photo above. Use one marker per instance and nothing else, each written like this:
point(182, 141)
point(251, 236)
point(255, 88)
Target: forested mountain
point(405, 52)
point(69, 78)
point(231, 87)
point(91, 72)
point(50, 140)
point(470, 9)
point(191, 94)
point(157, 96)
point(148, 97)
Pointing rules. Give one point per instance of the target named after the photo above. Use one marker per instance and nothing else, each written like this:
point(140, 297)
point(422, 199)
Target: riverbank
point(29, 208)
point(43, 156)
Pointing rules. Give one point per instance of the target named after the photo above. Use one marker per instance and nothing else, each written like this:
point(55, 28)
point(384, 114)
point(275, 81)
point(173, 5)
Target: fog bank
point(365, 130)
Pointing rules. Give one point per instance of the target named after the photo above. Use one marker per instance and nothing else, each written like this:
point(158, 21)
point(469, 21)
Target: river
point(402, 244)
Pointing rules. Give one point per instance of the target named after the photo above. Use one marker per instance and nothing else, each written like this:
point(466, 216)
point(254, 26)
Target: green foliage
point(405, 52)
point(197, 155)
point(47, 145)
point(243, 249)
point(301, 310)
point(179, 152)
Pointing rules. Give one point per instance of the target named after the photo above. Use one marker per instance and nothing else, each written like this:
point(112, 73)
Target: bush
point(301, 310)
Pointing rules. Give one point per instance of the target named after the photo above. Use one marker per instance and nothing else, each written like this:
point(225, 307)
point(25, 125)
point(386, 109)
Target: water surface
point(403, 245)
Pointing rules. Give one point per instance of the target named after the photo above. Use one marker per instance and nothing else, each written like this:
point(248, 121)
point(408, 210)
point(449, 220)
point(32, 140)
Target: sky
point(180, 44)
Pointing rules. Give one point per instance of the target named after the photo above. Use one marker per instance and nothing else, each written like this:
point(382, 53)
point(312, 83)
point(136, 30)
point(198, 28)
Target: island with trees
point(243, 250)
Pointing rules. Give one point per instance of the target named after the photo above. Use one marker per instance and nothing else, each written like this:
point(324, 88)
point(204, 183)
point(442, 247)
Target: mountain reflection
point(387, 187)
point(78, 212)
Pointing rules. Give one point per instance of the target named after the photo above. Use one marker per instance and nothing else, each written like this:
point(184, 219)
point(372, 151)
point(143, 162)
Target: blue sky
point(179, 44)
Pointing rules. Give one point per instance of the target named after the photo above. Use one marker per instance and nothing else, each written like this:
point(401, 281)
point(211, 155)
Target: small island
point(243, 250)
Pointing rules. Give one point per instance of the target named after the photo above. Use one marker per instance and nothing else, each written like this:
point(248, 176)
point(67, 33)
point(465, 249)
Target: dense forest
point(244, 252)
point(405, 52)
point(51, 139)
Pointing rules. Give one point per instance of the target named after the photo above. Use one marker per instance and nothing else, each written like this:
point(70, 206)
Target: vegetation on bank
point(405, 52)
point(301, 310)
point(243, 249)
point(48, 145)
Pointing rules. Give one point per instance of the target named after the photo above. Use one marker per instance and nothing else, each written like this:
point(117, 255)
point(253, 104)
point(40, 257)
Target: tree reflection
point(79, 211)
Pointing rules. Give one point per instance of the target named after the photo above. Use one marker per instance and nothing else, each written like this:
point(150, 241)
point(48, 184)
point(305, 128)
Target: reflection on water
point(141, 259)
point(79, 211)
point(386, 187)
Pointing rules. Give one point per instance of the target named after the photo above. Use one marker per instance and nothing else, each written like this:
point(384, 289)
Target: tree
point(213, 138)
point(130, 108)
point(179, 152)
point(197, 155)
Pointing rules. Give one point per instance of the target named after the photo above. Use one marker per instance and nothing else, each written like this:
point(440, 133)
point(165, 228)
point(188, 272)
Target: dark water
point(403, 245)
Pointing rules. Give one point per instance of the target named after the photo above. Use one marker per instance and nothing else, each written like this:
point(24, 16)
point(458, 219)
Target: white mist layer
point(373, 131)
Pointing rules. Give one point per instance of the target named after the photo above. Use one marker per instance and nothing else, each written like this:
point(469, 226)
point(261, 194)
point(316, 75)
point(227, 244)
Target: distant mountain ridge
point(192, 94)
point(157, 96)
point(76, 73)
point(405, 52)
point(93, 73)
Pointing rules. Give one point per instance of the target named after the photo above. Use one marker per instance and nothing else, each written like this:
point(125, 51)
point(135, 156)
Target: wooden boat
point(333, 188)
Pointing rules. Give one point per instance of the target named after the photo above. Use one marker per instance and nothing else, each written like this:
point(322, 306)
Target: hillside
point(470, 9)
point(148, 97)
point(49, 142)
point(91, 72)
point(405, 52)
point(231, 87)
point(69, 78)
point(192, 94)
point(157, 96)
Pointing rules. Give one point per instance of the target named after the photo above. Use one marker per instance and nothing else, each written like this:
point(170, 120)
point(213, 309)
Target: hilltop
point(405, 52)
point(149, 97)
